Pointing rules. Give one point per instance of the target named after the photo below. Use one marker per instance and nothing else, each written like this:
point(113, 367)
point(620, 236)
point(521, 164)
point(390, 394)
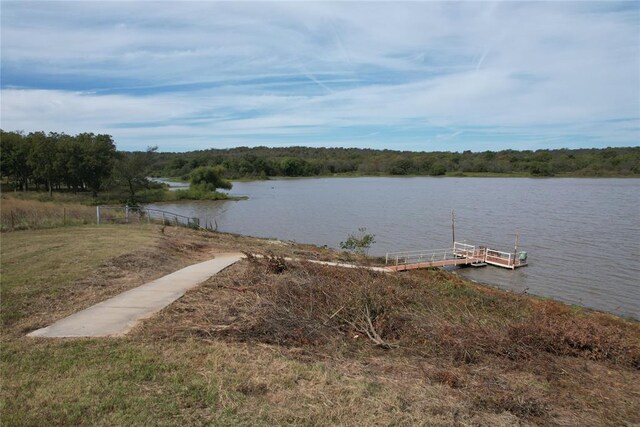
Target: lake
point(582, 235)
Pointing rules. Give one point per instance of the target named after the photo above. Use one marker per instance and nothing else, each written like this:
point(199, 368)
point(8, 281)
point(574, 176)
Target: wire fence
point(141, 214)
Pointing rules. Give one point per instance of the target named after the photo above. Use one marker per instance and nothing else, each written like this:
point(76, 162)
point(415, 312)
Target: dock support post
point(453, 227)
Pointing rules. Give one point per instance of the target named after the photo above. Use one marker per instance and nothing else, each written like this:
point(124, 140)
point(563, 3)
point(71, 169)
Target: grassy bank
point(269, 342)
point(25, 211)
point(113, 198)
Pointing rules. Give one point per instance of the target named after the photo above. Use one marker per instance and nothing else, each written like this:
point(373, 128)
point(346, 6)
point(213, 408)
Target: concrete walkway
point(116, 316)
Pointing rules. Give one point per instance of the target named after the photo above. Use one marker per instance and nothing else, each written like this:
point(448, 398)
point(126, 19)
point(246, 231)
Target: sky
point(420, 76)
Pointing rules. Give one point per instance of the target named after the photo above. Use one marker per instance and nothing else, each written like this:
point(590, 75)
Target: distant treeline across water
point(245, 162)
point(90, 162)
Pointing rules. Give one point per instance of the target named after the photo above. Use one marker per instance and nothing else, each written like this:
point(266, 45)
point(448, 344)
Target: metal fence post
point(98, 214)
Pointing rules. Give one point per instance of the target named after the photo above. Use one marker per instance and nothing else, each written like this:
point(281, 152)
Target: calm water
point(582, 235)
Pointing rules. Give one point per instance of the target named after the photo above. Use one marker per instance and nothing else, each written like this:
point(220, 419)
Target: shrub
point(359, 242)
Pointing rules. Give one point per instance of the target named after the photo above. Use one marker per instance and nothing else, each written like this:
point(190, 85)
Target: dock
point(460, 254)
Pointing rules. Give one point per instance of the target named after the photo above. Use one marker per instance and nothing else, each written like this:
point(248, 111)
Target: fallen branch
point(372, 333)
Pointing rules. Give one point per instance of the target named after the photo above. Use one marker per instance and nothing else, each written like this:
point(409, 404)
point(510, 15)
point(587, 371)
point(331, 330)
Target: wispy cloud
point(424, 76)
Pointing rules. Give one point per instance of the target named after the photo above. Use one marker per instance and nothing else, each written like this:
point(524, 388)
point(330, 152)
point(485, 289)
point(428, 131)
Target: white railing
point(461, 253)
point(506, 259)
point(506, 256)
point(414, 257)
point(464, 250)
point(432, 255)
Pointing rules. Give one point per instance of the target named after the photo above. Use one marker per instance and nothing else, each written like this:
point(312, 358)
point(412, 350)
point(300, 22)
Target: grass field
point(298, 344)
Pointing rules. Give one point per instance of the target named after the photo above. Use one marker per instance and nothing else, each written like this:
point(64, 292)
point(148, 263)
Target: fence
point(141, 214)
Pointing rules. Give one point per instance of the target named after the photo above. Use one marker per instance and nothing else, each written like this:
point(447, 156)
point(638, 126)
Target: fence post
point(64, 216)
point(13, 226)
point(98, 214)
point(126, 214)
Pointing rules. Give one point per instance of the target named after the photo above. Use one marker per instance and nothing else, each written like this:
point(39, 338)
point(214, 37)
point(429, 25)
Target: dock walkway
point(460, 254)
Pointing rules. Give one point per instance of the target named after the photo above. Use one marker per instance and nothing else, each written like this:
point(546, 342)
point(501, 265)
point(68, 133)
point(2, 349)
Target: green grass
point(38, 263)
point(69, 383)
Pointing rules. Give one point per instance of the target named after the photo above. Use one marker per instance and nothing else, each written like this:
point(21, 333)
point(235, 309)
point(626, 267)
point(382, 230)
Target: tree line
point(89, 162)
point(263, 162)
point(53, 161)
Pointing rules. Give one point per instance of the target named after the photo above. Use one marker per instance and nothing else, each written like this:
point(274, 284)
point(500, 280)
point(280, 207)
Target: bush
point(359, 242)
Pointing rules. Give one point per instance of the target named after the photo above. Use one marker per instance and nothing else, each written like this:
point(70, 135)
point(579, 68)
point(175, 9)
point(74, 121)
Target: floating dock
point(460, 254)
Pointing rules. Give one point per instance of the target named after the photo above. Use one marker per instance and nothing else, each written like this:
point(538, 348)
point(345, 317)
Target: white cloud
point(267, 70)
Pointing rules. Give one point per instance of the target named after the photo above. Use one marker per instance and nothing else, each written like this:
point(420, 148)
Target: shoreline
point(470, 175)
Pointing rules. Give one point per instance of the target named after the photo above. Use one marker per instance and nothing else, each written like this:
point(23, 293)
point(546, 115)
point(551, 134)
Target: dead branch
point(372, 333)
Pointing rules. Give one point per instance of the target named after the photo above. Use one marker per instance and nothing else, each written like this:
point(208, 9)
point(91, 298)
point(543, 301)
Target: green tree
point(99, 158)
point(14, 159)
point(42, 157)
point(130, 171)
point(209, 178)
point(69, 162)
point(291, 166)
point(359, 242)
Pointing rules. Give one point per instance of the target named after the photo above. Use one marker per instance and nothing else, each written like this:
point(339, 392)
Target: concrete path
point(116, 316)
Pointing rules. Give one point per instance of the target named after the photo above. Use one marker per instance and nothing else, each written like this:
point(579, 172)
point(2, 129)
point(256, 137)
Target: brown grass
point(495, 353)
point(18, 214)
point(271, 342)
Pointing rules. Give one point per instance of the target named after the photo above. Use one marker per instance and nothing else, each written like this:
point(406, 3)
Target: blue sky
point(409, 76)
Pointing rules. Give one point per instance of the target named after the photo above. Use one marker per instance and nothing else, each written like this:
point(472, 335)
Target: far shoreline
point(471, 175)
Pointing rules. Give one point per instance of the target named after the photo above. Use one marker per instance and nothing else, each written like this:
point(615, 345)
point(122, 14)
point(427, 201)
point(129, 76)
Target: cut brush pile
point(495, 352)
point(305, 304)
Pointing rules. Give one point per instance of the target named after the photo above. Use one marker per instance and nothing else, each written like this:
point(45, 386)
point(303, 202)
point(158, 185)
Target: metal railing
point(416, 257)
point(459, 250)
point(141, 214)
point(506, 259)
point(461, 253)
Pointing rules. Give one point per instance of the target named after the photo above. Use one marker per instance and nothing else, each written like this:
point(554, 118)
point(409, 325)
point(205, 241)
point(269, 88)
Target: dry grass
point(496, 358)
point(269, 342)
point(18, 214)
